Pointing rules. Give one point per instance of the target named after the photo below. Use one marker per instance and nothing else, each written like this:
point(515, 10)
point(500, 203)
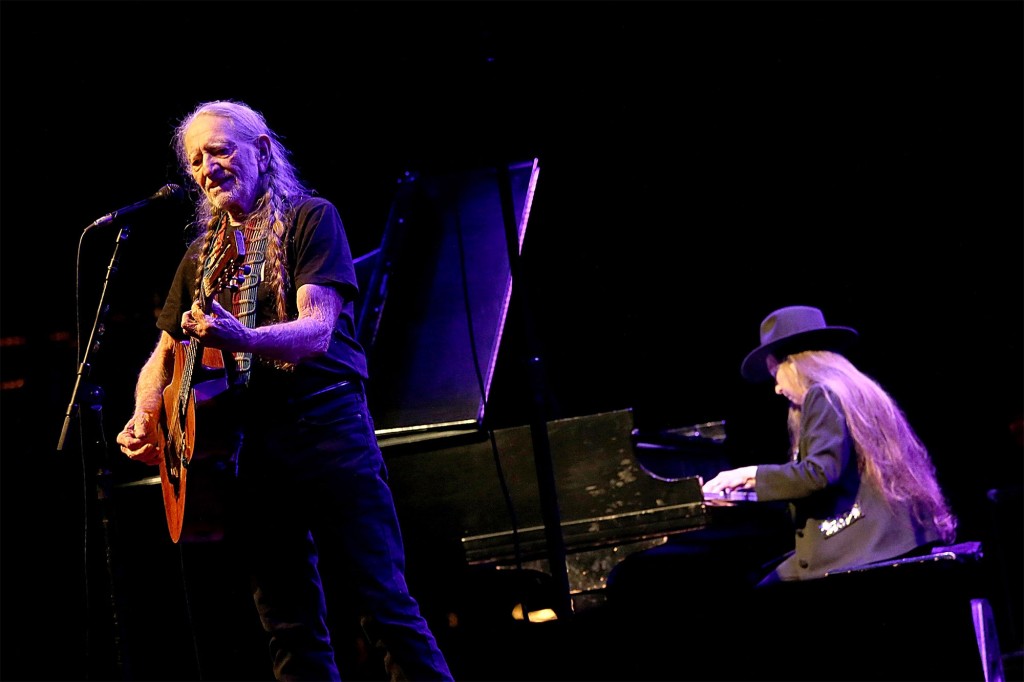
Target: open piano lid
point(435, 296)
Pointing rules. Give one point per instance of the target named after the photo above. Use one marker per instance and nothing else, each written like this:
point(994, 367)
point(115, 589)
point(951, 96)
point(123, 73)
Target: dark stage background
point(702, 163)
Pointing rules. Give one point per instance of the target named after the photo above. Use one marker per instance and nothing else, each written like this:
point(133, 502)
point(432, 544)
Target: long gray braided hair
point(280, 189)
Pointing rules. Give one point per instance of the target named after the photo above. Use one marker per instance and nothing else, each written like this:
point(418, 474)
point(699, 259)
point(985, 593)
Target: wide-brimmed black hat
point(793, 330)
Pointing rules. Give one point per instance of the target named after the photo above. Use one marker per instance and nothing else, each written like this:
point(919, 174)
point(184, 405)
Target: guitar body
point(203, 416)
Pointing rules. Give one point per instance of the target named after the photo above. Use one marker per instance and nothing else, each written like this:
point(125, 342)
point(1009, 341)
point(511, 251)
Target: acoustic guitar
point(197, 438)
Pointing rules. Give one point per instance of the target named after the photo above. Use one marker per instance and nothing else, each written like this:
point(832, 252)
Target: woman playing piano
point(860, 484)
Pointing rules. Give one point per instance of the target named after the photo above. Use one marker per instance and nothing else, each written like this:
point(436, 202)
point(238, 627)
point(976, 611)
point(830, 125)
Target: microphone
point(167, 192)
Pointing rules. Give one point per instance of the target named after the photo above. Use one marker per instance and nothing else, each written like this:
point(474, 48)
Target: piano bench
point(960, 562)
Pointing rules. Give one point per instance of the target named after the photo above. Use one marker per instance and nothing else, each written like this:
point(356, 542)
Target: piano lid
point(435, 295)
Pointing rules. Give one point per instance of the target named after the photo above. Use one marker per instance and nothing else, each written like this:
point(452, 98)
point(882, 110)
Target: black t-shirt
point(318, 253)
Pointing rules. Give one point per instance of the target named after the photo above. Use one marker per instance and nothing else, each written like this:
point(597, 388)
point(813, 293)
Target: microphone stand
point(95, 335)
point(93, 398)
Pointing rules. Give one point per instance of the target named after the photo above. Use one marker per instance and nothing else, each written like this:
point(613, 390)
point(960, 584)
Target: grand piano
point(436, 299)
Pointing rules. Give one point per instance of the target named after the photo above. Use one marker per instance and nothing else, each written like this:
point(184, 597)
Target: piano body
point(479, 502)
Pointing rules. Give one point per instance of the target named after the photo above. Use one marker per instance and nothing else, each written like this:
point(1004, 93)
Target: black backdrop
point(702, 164)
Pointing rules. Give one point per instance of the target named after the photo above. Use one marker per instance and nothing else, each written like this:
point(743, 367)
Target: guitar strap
point(243, 300)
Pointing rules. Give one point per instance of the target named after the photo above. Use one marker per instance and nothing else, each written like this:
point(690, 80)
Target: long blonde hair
point(890, 454)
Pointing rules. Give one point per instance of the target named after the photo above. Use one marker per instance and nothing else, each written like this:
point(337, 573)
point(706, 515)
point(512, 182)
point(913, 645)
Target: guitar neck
point(192, 349)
